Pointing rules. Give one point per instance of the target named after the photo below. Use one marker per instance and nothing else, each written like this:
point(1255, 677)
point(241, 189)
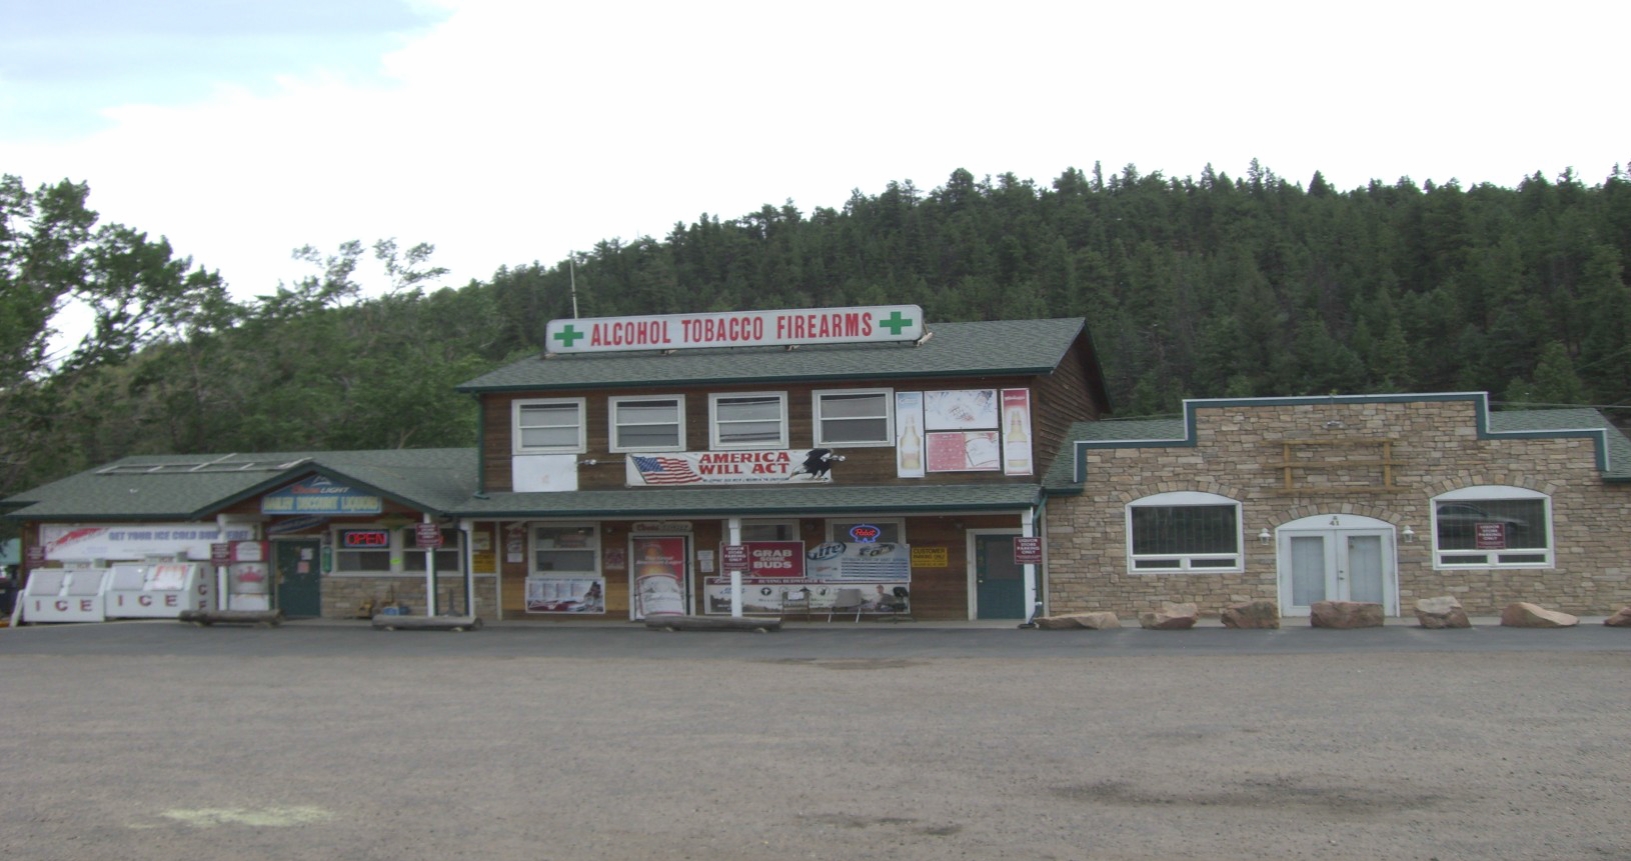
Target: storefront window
point(565, 549)
point(785, 530)
point(867, 531)
point(1492, 526)
point(362, 549)
point(1184, 531)
point(449, 557)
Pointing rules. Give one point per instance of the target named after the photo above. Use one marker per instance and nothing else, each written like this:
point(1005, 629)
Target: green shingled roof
point(192, 486)
point(953, 349)
point(1549, 422)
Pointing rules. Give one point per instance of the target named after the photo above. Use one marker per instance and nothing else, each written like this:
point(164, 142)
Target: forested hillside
point(1197, 287)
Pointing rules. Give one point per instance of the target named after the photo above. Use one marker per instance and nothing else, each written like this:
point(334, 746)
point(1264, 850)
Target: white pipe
point(733, 529)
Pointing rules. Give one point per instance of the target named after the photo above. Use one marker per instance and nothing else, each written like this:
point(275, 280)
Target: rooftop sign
point(806, 326)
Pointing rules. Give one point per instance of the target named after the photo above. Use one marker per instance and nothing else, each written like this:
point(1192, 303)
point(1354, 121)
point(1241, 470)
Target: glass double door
point(1337, 565)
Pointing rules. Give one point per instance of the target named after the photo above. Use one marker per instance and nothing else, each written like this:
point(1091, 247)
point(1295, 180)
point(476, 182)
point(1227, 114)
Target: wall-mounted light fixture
point(1408, 533)
point(1264, 537)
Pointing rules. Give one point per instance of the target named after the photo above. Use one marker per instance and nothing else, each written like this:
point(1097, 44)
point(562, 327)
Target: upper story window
point(1184, 531)
point(648, 423)
point(1492, 526)
point(853, 417)
point(750, 420)
point(552, 425)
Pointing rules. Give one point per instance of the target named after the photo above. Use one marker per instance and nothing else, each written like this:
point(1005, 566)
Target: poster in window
point(909, 434)
point(969, 409)
point(566, 594)
point(659, 576)
point(968, 451)
point(1016, 432)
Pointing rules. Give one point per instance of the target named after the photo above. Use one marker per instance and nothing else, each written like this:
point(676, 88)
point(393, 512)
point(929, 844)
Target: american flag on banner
point(665, 470)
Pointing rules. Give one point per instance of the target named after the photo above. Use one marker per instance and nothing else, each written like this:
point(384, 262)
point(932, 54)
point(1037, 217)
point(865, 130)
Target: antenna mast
point(572, 279)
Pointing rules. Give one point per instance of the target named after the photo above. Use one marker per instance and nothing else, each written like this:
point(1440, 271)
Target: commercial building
point(859, 461)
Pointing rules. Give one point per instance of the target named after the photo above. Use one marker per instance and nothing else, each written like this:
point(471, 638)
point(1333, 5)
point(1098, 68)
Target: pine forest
point(1205, 286)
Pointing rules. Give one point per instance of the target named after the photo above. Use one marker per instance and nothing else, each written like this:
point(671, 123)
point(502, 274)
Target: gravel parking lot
point(160, 741)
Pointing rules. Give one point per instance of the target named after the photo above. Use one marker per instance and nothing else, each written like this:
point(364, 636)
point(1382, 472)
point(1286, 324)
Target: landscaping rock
point(1075, 621)
point(1441, 612)
point(1621, 619)
point(1252, 614)
point(1525, 615)
point(1171, 617)
point(1345, 614)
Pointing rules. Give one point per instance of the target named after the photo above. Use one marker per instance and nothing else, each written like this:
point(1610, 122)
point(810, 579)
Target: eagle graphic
point(817, 463)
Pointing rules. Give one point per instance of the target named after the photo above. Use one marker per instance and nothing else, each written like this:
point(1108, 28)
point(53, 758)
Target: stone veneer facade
point(342, 596)
point(1435, 448)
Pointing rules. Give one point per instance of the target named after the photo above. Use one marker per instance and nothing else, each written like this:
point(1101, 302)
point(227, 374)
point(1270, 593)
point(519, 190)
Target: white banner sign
point(783, 466)
point(136, 540)
point(736, 329)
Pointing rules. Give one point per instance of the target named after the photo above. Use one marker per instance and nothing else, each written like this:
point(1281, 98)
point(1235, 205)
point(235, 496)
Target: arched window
point(1184, 532)
point(1492, 526)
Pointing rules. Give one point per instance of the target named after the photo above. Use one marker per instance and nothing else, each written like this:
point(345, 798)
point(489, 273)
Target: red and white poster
point(964, 451)
point(659, 576)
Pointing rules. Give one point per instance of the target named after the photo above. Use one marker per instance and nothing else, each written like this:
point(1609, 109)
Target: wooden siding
point(1058, 399)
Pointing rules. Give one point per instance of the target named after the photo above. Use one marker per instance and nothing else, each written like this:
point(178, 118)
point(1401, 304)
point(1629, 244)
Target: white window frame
point(612, 424)
point(818, 424)
point(518, 447)
point(1186, 563)
point(716, 443)
point(1474, 558)
point(592, 546)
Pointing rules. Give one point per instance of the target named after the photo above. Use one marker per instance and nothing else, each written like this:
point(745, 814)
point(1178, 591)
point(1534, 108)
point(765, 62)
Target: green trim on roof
point(1613, 449)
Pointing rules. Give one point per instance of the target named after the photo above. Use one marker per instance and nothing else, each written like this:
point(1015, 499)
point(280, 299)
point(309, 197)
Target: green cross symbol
point(569, 335)
point(895, 323)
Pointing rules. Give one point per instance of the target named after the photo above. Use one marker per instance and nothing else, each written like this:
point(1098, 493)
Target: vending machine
point(249, 576)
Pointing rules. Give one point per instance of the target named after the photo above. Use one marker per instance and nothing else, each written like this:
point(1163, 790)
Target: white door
point(1341, 563)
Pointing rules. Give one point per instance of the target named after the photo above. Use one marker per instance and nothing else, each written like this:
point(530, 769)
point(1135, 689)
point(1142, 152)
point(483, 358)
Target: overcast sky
point(511, 132)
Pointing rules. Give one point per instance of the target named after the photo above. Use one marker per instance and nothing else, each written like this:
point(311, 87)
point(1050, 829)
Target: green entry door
point(999, 584)
point(298, 567)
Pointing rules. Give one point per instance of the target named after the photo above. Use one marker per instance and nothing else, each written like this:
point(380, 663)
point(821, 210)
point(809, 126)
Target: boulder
point(1621, 619)
point(1252, 614)
point(1526, 615)
point(1441, 612)
point(1345, 614)
point(1076, 621)
point(1171, 617)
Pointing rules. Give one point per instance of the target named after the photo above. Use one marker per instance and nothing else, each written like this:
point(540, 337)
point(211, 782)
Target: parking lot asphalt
point(152, 741)
point(796, 639)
